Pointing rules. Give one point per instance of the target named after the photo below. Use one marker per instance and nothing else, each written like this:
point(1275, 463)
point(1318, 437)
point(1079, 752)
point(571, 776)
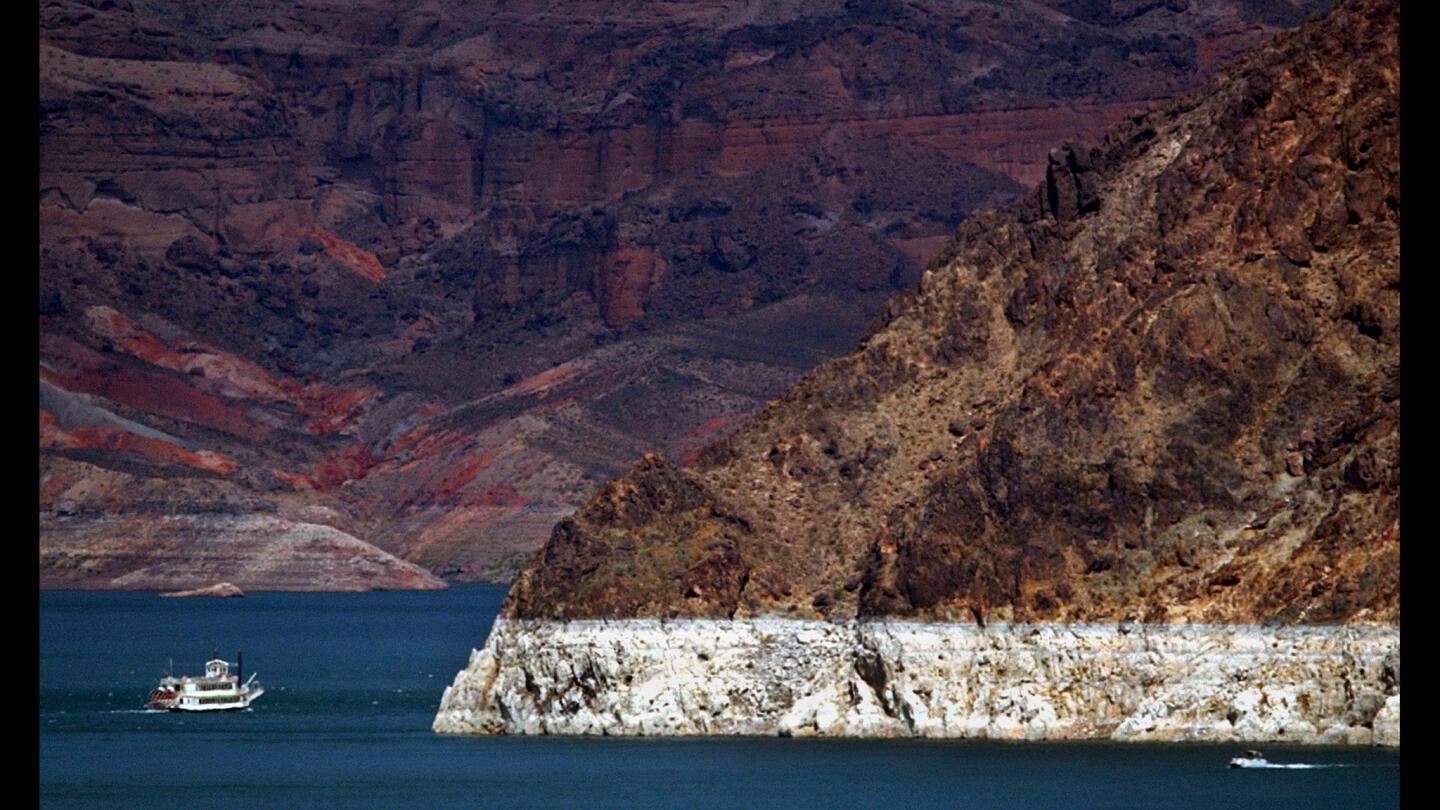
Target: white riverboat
point(1250, 759)
point(216, 690)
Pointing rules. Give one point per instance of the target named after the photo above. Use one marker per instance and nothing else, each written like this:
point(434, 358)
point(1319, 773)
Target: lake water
point(353, 682)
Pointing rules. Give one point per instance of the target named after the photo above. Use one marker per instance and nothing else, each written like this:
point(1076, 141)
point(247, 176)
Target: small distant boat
point(215, 691)
point(1249, 759)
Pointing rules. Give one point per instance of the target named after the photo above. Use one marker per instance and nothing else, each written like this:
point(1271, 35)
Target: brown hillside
point(1163, 386)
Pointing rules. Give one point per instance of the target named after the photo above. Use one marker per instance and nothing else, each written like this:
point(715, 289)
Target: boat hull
point(242, 702)
point(171, 702)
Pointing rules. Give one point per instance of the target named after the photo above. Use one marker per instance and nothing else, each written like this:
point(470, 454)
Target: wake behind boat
point(216, 690)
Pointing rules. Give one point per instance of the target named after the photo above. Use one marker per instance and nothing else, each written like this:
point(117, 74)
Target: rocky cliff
point(1159, 393)
point(799, 677)
point(435, 273)
point(1164, 385)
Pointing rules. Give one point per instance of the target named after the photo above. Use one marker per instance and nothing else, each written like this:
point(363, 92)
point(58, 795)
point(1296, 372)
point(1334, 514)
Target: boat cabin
point(217, 668)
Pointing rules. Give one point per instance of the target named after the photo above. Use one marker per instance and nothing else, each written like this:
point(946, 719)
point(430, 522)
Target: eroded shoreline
point(766, 677)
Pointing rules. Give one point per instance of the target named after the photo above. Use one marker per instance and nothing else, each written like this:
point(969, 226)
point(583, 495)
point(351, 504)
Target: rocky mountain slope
point(1124, 466)
point(1162, 387)
point(428, 275)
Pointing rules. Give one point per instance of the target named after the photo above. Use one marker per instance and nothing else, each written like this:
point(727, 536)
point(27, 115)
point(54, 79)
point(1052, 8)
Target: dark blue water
point(354, 680)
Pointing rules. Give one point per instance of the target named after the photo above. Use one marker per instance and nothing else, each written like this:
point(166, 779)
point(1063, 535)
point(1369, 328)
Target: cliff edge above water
point(1124, 466)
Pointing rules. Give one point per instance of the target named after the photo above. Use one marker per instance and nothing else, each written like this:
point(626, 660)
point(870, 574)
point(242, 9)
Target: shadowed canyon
point(363, 295)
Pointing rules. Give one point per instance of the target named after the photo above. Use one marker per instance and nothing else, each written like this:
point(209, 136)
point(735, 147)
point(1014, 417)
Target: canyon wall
point(430, 274)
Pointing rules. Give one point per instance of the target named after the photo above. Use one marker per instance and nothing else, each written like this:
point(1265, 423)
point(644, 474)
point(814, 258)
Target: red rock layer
point(437, 272)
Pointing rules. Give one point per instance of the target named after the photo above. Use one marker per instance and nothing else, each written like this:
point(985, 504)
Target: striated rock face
point(277, 114)
point(103, 528)
point(256, 552)
point(440, 271)
point(694, 245)
point(1211, 683)
point(1162, 387)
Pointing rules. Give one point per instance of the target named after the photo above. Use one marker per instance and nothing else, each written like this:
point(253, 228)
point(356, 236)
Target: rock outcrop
point(428, 269)
point(1125, 465)
point(1164, 386)
point(786, 677)
point(220, 590)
